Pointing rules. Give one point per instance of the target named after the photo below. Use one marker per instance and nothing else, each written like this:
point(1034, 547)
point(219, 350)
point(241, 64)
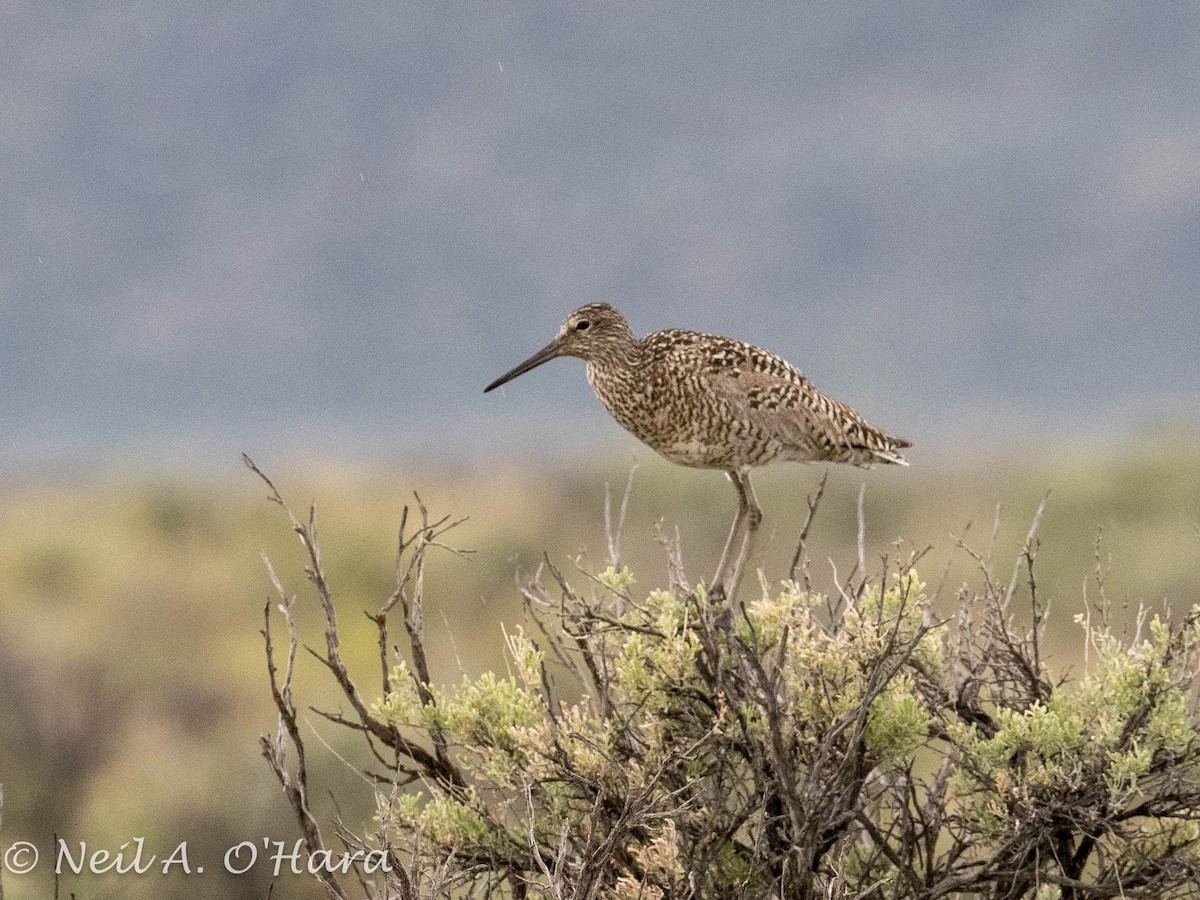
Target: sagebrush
point(678, 744)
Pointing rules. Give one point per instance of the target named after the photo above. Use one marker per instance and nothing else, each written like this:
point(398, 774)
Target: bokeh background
point(313, 232)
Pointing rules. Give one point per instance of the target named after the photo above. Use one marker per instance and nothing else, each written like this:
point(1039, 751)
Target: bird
point(710, 402)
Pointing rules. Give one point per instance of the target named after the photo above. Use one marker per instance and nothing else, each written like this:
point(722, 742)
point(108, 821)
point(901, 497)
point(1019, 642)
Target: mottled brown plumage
point(713, 403)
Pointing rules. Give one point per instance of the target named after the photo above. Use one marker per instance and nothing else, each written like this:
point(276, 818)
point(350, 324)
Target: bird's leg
point(718, 582)
point(753, 516)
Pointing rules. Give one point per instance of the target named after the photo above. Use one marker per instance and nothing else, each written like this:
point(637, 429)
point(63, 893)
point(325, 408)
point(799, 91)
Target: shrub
point(680, 744)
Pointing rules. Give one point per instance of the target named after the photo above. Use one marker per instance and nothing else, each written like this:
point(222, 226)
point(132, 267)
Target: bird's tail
point(891, 457)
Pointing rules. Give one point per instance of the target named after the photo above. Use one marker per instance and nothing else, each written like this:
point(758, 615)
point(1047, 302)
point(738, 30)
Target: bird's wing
point(790, 408)
point(776, 398)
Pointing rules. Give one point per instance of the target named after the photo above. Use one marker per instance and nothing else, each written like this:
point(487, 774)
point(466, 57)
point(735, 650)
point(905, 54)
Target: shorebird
point(712, 402)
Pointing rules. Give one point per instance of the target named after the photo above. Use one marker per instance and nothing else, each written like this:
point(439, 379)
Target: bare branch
point(862, 533)
point(800, 557)
point(294, 788)
point(613, 535)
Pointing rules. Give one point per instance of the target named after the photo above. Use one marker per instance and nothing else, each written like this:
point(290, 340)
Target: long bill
point(547, 353)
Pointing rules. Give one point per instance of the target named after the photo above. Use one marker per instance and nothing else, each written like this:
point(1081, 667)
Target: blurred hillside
point(135, 683)
point(223, 219)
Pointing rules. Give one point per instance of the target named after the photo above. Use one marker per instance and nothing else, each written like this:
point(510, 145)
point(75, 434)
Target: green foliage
point(1085, 751)
point(898, 723)
point(670, 736)
point(859, 742)
point(741, 737)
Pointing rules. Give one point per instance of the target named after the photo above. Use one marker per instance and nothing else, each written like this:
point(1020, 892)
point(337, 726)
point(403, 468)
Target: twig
point(1025, 549)
point(800, 557)
point(552, 881)
point(294, 788)
point(436, 764)
point(614, 534)
point(862, 533)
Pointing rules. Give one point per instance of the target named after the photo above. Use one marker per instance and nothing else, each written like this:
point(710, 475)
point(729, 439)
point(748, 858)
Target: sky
point(314, 229)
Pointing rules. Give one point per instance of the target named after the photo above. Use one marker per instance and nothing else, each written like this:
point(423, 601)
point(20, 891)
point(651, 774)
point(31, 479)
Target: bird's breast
point(681, 422)
point(629, 400)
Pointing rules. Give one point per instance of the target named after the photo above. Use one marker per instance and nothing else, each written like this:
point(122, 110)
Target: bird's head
point(592, 332)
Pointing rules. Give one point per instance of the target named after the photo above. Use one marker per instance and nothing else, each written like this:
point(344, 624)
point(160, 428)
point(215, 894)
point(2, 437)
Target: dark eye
point(582, 325)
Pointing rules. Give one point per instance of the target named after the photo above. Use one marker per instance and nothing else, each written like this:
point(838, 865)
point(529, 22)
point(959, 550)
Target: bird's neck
point(617, 369)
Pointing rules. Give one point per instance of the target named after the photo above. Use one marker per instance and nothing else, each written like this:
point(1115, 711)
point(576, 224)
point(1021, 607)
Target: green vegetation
point(848, 744)
point(706, 760)
point(650, 764)
point(134, 676)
